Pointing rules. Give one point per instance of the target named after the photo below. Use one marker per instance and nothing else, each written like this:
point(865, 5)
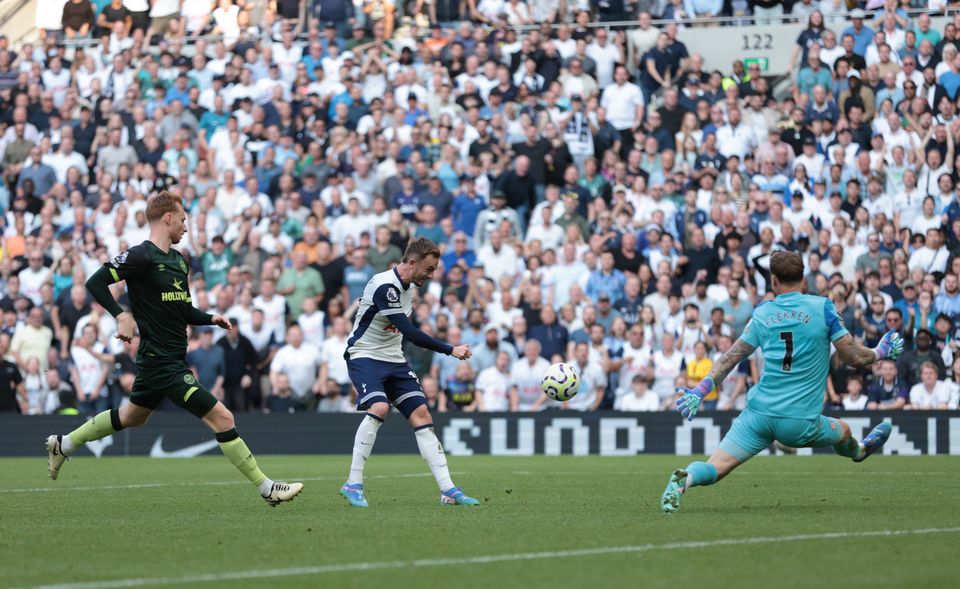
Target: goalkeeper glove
point(689, 402)
point(890, 346)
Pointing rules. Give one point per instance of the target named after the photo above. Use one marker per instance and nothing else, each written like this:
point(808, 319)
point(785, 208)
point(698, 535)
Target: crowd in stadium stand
point(600, 197)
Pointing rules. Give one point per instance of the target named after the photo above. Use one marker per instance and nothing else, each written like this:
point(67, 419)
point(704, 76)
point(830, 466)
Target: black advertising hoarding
point(178, 435)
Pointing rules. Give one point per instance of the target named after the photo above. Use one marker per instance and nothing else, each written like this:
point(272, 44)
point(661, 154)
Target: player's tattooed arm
point(854, 354)
point(738, 352)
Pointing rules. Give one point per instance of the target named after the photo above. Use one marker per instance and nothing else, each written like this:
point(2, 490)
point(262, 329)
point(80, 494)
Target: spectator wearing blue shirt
point(820, 107)
point(413, 112)
point(466, 206)
point(343, 97)
point(42, 175)
point(889, 92)
point(552, 336)
point(950, 80)
point(606, 280)
point(813, 73)
point(948, 301)
point(428, 226)
point(208, 362)
point(460, 254)
point(406, 200)
point(889, 391)
point(180, 90)
point(356, 275)
point(437, 196)
point(702, 8)
point(214, 119)
point(862, 35)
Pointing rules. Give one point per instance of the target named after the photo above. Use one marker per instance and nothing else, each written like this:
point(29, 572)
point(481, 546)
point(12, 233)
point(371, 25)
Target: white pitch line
point(199, 483)
point(427, 474)
point(493, 558)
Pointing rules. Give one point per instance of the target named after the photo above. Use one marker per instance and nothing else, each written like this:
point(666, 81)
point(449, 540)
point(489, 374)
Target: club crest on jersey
point(120, 258)
point(189, 379)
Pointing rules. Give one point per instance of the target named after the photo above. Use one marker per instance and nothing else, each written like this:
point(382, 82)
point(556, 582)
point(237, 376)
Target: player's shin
point(363, 446)
point(102, 425)
point(432, 452)
point(700, 474)
point(237, 452)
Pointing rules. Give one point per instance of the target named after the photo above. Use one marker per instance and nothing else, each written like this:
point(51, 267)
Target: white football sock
point(362, 447)
point(265, 487)
point(66, 445)
point(432, 452)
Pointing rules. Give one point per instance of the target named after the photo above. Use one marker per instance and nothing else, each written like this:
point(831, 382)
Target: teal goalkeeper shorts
point(752, 433)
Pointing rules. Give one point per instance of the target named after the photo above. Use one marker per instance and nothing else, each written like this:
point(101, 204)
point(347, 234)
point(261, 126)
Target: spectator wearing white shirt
point(498, 257)
point(606, 55)
point(623, 102)
point(668, 365)
point(877, 200)
point(929, 393)
point(593, 380)
point(933, 256)
point(525, 376)
point(639, 397)
point(274, 307)
point(33, 276)
point(65, 158)
point(312, 321)
point(734, 138)
point(287, 54)
point(549, 234)
point(855, 400)
point(493, 385)
point(300, 361)
point(333, 367)
point(89, 372)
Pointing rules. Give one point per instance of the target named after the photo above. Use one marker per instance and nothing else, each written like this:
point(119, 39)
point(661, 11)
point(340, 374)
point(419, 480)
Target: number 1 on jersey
point(787, 337)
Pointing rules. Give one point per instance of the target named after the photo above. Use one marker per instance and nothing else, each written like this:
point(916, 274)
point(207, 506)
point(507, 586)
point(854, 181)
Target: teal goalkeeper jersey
point(794, 332)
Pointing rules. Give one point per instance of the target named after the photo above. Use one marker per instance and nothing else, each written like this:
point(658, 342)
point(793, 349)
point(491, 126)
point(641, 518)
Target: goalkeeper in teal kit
point(795, 331)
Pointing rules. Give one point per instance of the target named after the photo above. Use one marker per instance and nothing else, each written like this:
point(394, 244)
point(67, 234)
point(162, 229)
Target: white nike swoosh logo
point(97, 447)
point(157, 450)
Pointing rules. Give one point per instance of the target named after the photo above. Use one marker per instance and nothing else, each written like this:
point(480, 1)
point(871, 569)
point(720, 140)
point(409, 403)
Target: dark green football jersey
point(159, 299)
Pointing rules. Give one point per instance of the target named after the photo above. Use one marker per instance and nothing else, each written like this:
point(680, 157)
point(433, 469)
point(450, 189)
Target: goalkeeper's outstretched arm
point(859, 356)
point(738, 352)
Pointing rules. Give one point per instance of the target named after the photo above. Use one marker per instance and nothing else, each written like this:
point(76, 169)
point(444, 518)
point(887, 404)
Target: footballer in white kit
point(382, 376)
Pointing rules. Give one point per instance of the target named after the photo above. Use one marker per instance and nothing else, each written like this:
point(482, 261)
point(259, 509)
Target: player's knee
point(225, 420)
point(845, 432)
point(133, 415)
point(220, 419)
point(380, 409)
point(420, 416)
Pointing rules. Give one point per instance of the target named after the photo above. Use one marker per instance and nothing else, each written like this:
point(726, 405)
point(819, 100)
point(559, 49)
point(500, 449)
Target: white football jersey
point(373, 335)
point(527, 379)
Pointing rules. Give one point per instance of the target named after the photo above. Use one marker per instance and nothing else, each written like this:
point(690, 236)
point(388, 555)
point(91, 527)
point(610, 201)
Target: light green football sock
point(102, 425)
point(850, 448)
point(236, 451)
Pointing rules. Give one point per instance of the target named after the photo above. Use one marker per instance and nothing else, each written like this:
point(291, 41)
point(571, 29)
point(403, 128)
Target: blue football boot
point(354, 494)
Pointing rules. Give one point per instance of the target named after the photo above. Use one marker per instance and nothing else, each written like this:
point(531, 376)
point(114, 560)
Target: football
point(561, 382)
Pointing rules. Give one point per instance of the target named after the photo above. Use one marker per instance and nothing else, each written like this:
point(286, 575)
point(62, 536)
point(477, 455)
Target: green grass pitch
point(590, 522)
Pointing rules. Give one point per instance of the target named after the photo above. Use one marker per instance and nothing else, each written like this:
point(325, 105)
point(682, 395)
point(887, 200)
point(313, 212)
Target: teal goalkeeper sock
point(850, 448)
point(700, 474)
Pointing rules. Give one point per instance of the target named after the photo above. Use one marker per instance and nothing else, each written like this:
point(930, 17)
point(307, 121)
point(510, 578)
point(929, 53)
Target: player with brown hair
point(160, 306)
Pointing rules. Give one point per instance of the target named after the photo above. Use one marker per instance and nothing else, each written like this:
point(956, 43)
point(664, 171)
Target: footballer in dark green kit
point(156, 277)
